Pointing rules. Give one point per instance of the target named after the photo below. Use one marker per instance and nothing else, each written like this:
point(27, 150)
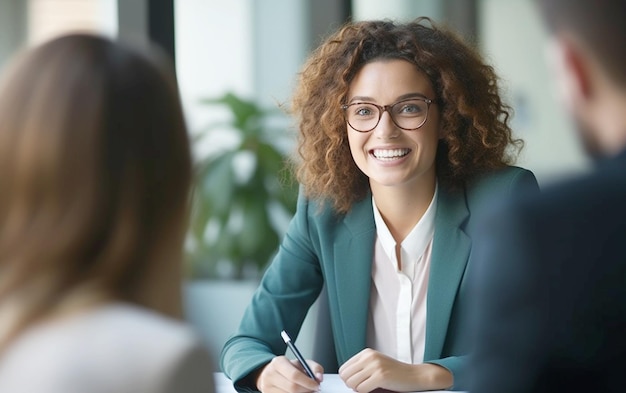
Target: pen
point(295, 351)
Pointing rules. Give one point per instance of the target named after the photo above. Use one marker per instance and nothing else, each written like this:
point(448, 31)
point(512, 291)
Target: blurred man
point(551, 312)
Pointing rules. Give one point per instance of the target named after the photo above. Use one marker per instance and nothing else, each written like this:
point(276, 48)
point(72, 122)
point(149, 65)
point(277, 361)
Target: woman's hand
point(369, 370)
point(284, 375)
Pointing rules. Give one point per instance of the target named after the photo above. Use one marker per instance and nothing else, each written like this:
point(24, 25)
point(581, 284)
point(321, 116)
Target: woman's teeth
point(390, 154)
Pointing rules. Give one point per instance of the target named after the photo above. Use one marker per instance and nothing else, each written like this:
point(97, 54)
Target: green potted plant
point(239, 191)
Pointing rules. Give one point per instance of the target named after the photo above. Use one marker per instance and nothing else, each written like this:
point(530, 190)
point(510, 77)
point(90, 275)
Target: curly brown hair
point(473, 116)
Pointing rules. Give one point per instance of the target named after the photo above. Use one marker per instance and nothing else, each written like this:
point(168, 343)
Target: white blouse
point(397, 307)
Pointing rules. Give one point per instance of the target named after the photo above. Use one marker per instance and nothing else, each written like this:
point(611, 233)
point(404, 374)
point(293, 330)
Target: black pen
point(295, 351)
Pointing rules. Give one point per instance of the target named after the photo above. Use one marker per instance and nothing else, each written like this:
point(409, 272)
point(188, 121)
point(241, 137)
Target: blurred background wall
point(254, 48)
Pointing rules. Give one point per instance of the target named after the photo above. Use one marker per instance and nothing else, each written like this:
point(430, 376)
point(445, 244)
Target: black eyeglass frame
point(383, 108)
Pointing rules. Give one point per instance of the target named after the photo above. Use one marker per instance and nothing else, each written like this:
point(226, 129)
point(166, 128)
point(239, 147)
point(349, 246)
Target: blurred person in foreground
point(95, 174)
point(552, 305)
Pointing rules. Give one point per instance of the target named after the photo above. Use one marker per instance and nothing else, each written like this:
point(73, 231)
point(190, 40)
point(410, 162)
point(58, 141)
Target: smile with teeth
point(390, 155)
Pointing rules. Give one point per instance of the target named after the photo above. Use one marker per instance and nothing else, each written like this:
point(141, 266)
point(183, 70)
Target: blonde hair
point(95, 172)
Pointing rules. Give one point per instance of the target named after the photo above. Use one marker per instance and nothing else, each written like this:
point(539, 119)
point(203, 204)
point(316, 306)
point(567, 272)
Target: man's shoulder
point(594, 192)
point(587, 210)
point(497, 187)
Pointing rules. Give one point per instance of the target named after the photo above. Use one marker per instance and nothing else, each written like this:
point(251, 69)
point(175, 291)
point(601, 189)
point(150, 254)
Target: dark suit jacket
point(321, 246)
point(551, 285)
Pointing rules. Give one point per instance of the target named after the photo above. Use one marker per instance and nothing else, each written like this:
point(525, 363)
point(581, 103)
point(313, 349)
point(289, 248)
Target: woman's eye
point(410, 108)
point(363, 111)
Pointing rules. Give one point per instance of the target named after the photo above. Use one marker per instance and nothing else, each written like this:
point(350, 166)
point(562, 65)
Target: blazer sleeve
point(287, 290)
point(456, 365)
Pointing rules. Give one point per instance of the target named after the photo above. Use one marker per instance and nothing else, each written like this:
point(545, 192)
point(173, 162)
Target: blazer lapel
point(354, 247)
point(451, 249)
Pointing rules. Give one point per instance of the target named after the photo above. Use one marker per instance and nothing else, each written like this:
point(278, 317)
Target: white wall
point(513, 39)
point(29, 22)
point(49, 18)
point(401, 10)
point(280, 29)
point(214, 52)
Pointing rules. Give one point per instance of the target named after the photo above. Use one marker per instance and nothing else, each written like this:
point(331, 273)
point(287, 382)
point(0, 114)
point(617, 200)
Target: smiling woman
point(402, 142)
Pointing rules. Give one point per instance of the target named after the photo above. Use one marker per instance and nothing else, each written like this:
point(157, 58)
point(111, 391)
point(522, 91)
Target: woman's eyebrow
point(400, 98)
point(361, 99)
point(411, 95)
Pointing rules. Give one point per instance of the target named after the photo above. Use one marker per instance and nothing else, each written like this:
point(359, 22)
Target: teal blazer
point(321, 246)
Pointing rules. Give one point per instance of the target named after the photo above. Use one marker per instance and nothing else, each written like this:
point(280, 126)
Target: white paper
point(331, 384)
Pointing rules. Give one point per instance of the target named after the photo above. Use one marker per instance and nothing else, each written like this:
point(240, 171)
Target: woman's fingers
point(317, 368)
point(283, 376)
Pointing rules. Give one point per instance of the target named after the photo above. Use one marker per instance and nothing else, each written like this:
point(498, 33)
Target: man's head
point(588, 50)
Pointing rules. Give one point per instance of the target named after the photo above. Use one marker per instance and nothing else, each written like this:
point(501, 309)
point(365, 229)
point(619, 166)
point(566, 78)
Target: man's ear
point(571, 71)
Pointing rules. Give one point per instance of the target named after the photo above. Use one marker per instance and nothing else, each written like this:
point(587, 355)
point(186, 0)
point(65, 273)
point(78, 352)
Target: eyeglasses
point(409, 114)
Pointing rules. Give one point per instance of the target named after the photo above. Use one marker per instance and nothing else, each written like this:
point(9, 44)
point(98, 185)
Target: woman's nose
point(386, 128)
